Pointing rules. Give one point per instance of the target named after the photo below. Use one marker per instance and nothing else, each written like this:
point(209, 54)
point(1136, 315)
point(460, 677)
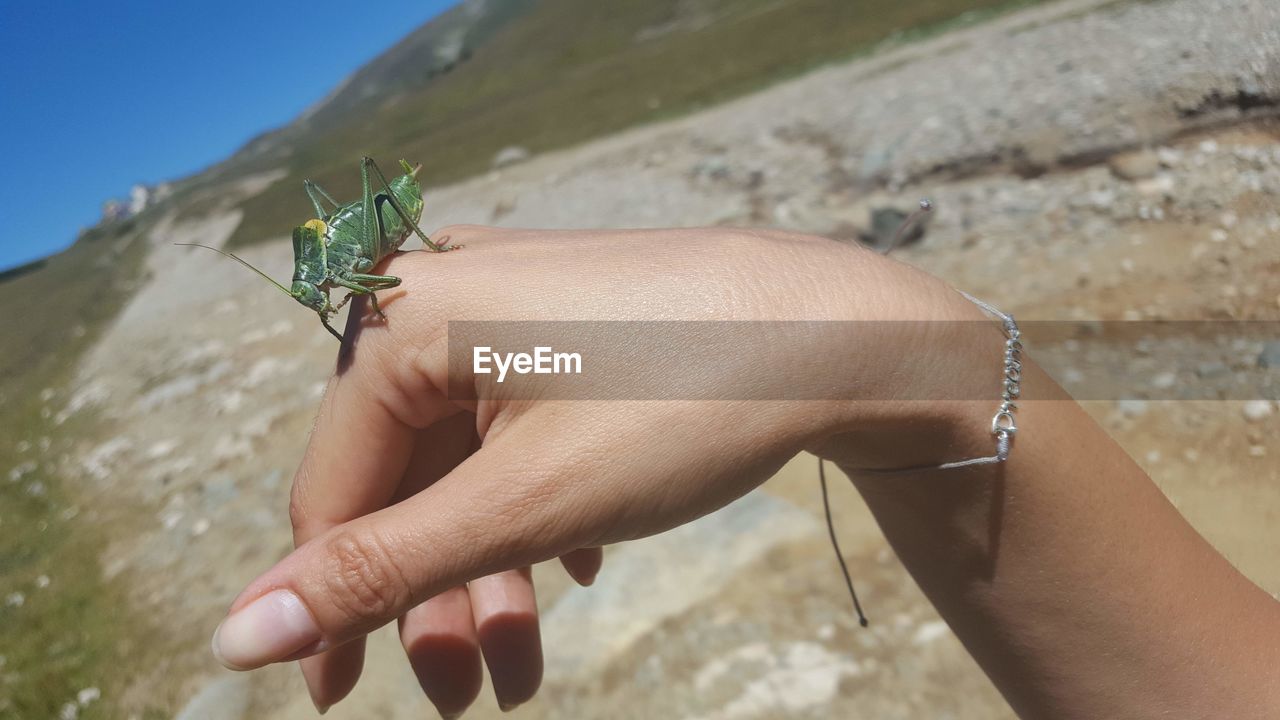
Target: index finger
point(354, 461)
point(363, 435)
point(356, 457)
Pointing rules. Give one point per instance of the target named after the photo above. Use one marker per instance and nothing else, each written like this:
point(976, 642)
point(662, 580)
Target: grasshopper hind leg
point(367, 164)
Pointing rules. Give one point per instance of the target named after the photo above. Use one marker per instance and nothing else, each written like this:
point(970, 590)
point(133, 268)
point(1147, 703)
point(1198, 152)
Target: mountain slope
point(547, 74)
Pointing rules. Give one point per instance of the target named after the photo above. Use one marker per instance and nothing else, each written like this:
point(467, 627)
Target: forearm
point(1075, 584)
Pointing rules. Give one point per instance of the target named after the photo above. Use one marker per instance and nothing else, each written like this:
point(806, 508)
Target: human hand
point(416, 506)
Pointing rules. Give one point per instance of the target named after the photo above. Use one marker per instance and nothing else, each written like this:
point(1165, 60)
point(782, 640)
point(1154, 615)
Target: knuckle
point(297, 513)
point(534, 514)
point(363, 580)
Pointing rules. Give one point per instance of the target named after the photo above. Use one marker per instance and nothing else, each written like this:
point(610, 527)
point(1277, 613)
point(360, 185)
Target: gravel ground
point(1090, 161)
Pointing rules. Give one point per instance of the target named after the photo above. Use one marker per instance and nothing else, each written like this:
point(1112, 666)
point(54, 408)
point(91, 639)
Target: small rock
point(1164, 380)
point(262, 371)
point(1102, 199)
point(1270, 355)
point(886, 222)
point(875, 163)
point(231, 447)
point(70, 711)
point(1257, 451)
point(229, 402)
point(1132, 408)
point(171, 520)
point(88, 695)
point(1169, 157)
point(1258, 410)
point(1159, 185)
point(1135, 166)
point(510, 155)
point(161, 449)
point(18, 471)
point(930, 631)
point(42, 582)
point(200, 527)
point(15, 599)
point(1211, 369)
point(714, 167)
point(1218, 235)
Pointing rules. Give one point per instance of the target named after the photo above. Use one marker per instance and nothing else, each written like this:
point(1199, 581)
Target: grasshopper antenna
point(240, 260)
point(912, 219)
point(835, 545)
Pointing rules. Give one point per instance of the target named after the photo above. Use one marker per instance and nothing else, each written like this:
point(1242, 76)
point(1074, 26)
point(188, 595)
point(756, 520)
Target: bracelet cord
point(1003, 424)
point(1003, 427)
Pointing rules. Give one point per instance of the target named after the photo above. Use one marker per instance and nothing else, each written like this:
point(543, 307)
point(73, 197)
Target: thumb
point(493, 512)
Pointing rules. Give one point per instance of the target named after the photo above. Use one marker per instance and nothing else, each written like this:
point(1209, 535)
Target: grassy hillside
point(548, 74)
point(63, 629)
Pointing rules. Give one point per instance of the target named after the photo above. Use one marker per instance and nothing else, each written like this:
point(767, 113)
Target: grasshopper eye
point(310, 296)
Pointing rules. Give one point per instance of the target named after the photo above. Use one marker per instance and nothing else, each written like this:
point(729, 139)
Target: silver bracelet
point(1003, 423)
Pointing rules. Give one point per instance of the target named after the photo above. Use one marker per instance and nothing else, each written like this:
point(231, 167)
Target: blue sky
point(95, 96)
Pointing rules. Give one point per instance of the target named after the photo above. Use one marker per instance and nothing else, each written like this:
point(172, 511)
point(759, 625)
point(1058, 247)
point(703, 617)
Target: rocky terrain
point(1090, 161)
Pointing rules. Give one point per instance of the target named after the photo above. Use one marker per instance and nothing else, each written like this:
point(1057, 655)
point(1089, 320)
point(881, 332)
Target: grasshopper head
point(311, 296)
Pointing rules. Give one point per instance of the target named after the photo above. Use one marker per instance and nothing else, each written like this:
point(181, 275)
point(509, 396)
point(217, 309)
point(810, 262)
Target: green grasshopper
point(338, 248)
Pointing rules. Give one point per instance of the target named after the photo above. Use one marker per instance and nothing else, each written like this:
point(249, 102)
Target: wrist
point(933, 383)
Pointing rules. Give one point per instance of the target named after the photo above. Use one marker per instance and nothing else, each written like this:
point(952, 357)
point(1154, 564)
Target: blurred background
point(1090, 160)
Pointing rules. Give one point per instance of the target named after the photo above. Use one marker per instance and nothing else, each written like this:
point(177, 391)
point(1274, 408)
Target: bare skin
point(1074, 583)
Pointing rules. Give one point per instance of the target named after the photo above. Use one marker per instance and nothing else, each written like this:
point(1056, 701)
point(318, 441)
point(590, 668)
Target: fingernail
point(583, 579)
point(270, 628)
point(507, 708)
point(450, 716)
point(320, 707)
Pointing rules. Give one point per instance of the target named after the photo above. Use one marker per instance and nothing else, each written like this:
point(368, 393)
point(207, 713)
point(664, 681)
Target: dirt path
point(209, 378)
